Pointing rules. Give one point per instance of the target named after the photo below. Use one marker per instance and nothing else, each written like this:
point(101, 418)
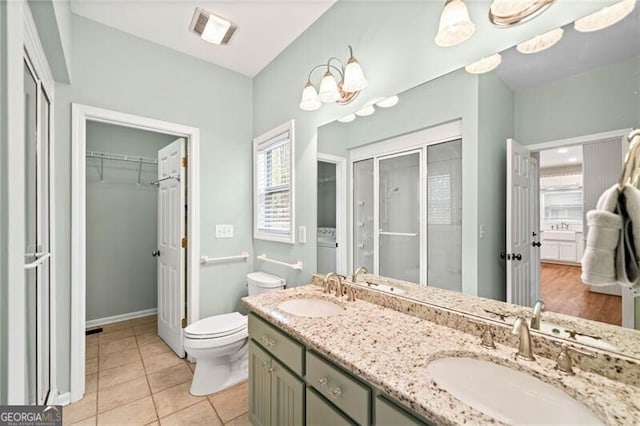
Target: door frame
point(628, 305)
point(341, 208)
point(80, 114)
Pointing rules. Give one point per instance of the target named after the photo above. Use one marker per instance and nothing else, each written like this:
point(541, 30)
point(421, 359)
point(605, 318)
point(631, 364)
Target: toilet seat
point(217, 326)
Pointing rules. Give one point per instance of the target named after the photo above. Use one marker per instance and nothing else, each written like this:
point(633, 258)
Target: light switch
point(224, 231)
point(302, 234)
point(482, 231)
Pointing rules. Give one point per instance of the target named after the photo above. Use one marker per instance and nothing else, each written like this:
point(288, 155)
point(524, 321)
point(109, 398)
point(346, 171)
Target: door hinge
point(184, 243)
point(185, 161)
point(184, 323)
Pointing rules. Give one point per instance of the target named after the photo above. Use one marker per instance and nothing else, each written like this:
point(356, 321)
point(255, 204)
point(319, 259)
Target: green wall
point(495, 125)
point(53, 20)
point(120, 72)
point(393, 41)
point(603, 99)
point(122, 222)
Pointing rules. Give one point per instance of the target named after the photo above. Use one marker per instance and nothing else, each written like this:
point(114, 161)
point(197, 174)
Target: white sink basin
point(559, 235)
point(508, 395)
point(558, 331)
point(310, 308)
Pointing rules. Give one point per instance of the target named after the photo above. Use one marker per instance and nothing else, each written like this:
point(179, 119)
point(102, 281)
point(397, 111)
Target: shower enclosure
point(407, 214)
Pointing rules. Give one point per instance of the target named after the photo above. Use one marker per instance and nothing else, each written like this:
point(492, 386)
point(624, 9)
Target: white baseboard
point(122, 317)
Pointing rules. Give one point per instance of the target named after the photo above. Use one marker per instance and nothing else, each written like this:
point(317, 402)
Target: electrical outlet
point(224, 231)
point(302, 234)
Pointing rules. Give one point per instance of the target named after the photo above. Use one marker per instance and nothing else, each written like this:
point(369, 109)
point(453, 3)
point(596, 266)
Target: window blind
point(273, 183)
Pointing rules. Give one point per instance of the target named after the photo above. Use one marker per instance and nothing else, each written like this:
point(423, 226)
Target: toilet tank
point(260, 282)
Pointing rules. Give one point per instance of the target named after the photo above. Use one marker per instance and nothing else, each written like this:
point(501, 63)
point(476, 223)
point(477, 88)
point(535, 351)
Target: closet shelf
point(121, 157)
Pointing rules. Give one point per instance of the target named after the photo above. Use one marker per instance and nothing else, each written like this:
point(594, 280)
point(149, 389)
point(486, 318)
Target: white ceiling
point(265, 28)
point(558, 158)
point(575, 53)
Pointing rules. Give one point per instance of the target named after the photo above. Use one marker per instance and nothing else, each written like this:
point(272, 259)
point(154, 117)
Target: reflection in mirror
point(570, 107)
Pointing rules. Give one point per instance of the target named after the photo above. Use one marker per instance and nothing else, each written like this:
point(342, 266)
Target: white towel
point(613, 241)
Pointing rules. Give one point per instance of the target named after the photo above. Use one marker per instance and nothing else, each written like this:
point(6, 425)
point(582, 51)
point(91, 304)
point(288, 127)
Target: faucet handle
point(486, 338)
point(564, 362)
point(351, 293)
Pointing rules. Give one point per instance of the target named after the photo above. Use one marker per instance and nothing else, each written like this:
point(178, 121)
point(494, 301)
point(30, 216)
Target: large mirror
point(419, 192)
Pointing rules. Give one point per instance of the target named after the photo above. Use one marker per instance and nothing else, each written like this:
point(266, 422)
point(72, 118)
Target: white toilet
point(219, 344)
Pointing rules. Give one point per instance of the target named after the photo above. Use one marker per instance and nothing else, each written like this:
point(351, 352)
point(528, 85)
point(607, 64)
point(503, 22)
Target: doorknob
point(536, 244)
point(516, 256)
point(155, 253)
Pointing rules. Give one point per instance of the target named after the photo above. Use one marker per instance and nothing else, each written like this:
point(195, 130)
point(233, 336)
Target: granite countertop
point(390, 350)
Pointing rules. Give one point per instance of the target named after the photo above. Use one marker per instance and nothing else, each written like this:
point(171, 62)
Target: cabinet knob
point(517, 256)
point(336, 392)
point(323, 381)
point(536, 244)
point(264, 364)
point(270, 370)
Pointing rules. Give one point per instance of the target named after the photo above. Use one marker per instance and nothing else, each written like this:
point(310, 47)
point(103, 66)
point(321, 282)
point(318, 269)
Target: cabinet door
point(259, 386)
point(287, 397)
point(321, 413)
point(389, 414)
point(567, 252)
point(549, 250)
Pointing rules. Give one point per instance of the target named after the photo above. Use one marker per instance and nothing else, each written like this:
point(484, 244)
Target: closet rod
point(121, 157)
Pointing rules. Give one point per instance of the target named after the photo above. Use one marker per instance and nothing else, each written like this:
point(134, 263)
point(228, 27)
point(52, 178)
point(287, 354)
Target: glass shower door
point(36, 239)
point(444, 215)
point(399, 206)
point(363, 213)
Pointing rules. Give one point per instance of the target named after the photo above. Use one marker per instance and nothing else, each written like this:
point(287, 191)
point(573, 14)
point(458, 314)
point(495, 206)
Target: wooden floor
point(563, 291)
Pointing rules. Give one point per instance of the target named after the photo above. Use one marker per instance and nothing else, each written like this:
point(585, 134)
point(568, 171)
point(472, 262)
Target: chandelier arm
point(327, 65)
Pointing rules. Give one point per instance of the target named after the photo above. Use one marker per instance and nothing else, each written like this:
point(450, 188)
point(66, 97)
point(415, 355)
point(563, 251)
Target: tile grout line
point(146, 377)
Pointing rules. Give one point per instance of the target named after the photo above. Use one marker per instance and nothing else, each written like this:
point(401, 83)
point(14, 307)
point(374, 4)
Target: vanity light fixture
point(212, 28)
point(347, 118)
point(505, 13)
point(455, 24)
point(605, 17)
point(485, 64)
point(562, 151)
point(388, 102)
point(342, 90)
point(366, 111)
point(541, 42)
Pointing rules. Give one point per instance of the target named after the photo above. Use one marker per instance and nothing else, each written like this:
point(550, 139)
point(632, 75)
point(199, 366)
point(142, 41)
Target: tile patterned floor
point(133, 378)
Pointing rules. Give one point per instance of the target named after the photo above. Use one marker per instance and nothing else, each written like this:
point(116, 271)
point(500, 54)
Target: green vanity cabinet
point(276, 365)
point(387, 413)
point(290, 385)
point(321, 413)
point(276, 396)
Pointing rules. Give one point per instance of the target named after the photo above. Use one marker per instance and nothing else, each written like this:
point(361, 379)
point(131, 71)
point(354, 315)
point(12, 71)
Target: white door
point(523, 276)
point(170, 254)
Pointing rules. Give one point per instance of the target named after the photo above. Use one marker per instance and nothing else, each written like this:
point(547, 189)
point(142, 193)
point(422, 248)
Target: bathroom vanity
point(367, 362)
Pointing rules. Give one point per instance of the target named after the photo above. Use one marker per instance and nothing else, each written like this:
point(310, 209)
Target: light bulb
point(328, 88)
point(485, 64)
point(368, 110)
point(455, 24)
point(605, 17)
point(347, 118)
point(354, 80)
point(388, 102)
point(310, 100)
point(541, 42)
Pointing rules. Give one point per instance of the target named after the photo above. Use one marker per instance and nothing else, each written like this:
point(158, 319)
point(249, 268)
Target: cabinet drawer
point(287, 350)
point(321, 413)
point(387, 413)
point(342, 390)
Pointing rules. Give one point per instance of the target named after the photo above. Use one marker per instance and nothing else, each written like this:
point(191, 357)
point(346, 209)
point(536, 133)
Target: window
point(273, 212)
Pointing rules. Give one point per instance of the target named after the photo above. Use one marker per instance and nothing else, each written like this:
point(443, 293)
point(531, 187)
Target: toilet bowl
point(219, 344)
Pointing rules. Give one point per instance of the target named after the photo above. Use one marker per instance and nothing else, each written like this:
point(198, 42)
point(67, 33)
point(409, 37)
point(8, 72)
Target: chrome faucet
point(327, 281)
point(521, 329)
point(538, 309)
point(360, 270)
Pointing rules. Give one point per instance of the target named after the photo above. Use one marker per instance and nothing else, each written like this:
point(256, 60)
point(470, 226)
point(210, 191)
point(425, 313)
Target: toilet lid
point(217, 326)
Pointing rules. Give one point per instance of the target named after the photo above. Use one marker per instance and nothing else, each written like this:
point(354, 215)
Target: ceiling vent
point(212, 28)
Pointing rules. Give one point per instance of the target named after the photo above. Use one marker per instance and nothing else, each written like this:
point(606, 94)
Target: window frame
point(262, 143)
